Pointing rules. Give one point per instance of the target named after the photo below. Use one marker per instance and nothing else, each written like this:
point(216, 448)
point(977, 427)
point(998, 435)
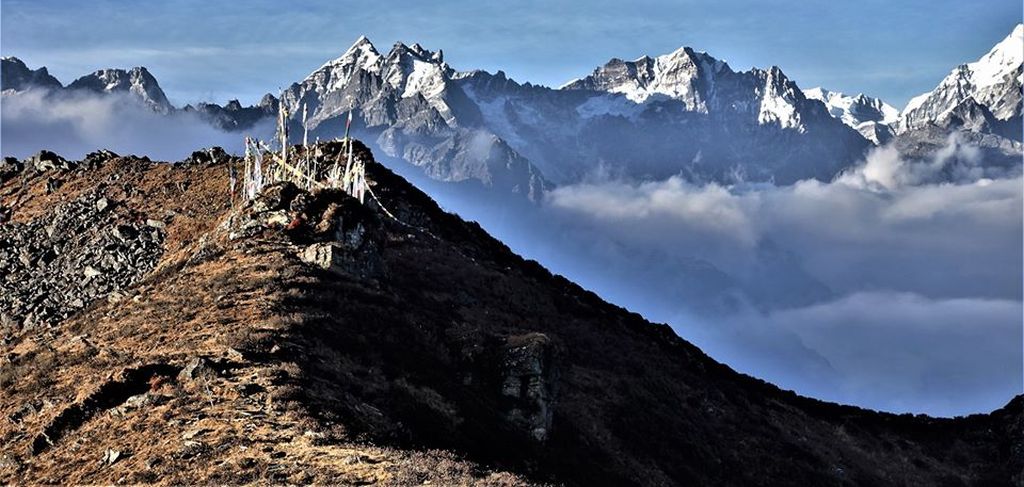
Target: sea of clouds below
point(920, 261)
point(924, 313)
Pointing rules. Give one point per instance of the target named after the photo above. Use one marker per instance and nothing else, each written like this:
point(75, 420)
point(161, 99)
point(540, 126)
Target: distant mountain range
point(684, 113)
point(137, 81)
point(872, 117)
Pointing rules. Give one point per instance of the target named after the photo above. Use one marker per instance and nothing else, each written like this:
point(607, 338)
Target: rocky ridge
point(136, 82)
point(17, 76)
point(984, 95)
point(872, 117)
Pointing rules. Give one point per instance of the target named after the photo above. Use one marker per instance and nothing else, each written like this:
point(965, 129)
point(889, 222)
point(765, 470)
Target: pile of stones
point(81, 251)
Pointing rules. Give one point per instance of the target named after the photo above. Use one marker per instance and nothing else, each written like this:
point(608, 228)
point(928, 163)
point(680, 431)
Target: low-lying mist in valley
point(75, 123)
point(891, 287)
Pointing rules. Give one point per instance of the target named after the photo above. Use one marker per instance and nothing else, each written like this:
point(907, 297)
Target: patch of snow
point(776, 109)
point(614, 105)
point(362, 54)
point(983, 80)
point(1002, 60)
point(425, 78)
point(916, 102)
point(854, 110)
point(570, 82)
point(777, 104)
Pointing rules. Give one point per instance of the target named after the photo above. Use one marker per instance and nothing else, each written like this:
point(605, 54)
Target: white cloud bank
point(74, 124)
point(925, 277)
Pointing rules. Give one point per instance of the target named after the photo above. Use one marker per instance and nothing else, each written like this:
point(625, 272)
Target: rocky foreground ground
point(154, 331)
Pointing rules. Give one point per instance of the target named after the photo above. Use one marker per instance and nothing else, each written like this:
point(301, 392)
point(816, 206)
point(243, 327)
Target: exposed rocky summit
point(137, 82)
point(234, 116)
point(872, 117)
point(16, 76)
point(305, 337)
point(985, 94)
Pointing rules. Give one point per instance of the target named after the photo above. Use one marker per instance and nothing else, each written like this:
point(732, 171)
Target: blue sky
point(213, 51)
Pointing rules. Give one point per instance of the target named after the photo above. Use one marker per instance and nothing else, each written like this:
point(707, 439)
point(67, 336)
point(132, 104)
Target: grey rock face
point(987, 155)
point(16, 76)
point(322, 255)
point(48, 161)
point(82, 251)
point(233, 116)
point(708, 123)
point(209, 156)
point(410, 104)
point(527, 384)
point(9, 168)
point(277, 196)
point(136, 81)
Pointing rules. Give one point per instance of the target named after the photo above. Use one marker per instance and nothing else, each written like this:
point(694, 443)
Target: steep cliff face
point(310, 338)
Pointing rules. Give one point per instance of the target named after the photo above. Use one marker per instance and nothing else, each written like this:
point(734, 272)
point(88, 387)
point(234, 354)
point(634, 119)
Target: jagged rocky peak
point(779, 98)
point(269, 101)
point(854, 110)
point(410, 69)
point(415, 70)
point(872, 117)
point(994, 82)
point(362, 54)
point(703, 84)
point(364, 79)
point(235, 116)
point(136, 81)
point(16, 76)
point(677, 75)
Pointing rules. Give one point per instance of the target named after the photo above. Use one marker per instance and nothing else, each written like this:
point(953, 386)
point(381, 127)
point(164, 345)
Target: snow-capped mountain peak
point(678, 75)
point(136, 81)
point(854, 110)
point(778, 104)
point(414, 70)
point(993, 82)
point(871, 117)
point(1004, 59)
point(411, 70)
point(362, 54)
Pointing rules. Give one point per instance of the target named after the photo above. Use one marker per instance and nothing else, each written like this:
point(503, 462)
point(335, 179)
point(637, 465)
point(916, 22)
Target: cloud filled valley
point(74, 123)
point(893, 296)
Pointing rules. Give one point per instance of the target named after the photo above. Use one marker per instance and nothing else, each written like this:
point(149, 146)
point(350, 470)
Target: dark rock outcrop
point(16, 76)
